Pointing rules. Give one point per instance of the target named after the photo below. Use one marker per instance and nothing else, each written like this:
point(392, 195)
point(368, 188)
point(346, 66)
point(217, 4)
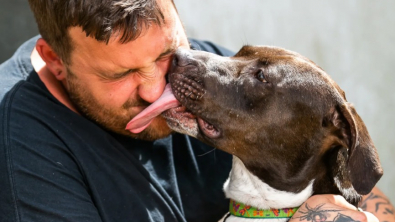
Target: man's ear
point(52, 60)
point(354, 160)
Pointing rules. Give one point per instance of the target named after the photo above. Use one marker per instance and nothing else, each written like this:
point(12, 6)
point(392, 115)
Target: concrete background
point(16, 26)
point(352, 40)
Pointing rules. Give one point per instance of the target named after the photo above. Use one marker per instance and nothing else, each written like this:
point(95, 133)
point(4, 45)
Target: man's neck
point(54, 86)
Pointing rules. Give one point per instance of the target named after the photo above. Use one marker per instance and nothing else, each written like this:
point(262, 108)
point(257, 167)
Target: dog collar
point(242, 210)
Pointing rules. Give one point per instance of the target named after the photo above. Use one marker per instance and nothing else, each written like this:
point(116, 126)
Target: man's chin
point(156, 130)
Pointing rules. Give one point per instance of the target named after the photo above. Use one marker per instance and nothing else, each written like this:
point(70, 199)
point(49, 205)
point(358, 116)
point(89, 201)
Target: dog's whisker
point(207, 152)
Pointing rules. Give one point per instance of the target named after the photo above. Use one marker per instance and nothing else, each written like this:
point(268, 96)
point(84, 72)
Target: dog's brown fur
point(290, 127)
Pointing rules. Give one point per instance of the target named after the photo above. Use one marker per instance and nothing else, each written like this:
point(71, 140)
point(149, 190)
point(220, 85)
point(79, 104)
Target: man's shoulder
point(210, 47)
point(17, 67)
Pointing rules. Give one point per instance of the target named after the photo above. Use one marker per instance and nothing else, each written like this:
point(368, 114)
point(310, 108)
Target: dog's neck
point(245, 187)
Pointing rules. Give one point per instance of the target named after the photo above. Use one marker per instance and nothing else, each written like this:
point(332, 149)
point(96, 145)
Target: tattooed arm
point(335, 208)
point(379, 205)
point(330, 208)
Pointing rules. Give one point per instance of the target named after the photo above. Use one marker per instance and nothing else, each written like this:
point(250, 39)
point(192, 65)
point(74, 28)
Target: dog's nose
point(182, 57)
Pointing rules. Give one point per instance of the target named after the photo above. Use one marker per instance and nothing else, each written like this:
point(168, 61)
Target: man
point(66, 99)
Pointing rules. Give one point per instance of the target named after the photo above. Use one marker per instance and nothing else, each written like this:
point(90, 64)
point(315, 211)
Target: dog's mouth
point(184, 121)
point(178, 117)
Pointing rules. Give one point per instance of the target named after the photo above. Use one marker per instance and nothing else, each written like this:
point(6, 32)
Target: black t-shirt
point(55, 165)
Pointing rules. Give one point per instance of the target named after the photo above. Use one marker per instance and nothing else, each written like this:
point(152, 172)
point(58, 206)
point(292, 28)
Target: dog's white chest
point(245, 187)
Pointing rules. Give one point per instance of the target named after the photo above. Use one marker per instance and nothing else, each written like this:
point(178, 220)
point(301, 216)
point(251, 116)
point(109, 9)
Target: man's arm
point(379, 205)
point(332, 208)
point(375, 206)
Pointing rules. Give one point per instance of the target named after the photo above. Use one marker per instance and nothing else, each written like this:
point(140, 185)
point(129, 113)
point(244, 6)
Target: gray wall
point(16, 26)
point(351, 40)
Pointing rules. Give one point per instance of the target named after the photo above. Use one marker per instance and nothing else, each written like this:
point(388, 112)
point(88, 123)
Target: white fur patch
point(348, 193)
point(191, 129)
point(245, 187)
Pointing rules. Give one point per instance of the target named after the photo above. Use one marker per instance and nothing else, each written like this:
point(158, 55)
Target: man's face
point(112, 83)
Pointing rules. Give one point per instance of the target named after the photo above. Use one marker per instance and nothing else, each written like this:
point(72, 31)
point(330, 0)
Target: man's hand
point(330, 208)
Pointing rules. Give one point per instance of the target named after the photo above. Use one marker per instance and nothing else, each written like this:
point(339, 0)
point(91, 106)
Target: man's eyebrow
point(167, 52)
point(121, 74)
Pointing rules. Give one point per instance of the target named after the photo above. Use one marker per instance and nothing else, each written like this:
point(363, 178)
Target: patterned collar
point(241, 210)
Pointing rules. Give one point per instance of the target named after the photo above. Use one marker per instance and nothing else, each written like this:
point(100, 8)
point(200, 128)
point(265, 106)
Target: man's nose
point(150, 90)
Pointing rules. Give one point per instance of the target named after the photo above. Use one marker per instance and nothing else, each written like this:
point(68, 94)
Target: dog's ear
point(356, 164)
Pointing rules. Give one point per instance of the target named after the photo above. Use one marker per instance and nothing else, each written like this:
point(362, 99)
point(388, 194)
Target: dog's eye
point(261, 76)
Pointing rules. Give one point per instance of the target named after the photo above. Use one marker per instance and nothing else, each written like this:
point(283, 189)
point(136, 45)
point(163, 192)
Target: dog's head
point(281, 114)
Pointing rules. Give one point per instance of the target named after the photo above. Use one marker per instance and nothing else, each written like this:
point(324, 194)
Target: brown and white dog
point(286, 122)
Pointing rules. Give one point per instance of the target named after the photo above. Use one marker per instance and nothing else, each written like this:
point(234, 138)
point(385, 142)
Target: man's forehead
point(153, 41)
point(150, 46)
point(171, 23)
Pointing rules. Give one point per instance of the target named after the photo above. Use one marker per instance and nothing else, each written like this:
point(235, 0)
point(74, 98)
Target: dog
point(287, 124)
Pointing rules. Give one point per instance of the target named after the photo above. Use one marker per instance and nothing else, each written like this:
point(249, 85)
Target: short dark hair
point(99, 19)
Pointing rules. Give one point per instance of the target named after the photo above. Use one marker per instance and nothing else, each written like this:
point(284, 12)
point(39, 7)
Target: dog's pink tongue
point(142, 120)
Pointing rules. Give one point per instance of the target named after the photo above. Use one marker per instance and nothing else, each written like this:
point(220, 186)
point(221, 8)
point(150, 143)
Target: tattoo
point(318, 214)
point(382, 204)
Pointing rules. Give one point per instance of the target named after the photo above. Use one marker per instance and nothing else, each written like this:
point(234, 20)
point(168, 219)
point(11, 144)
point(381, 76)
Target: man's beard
point(113, 119)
